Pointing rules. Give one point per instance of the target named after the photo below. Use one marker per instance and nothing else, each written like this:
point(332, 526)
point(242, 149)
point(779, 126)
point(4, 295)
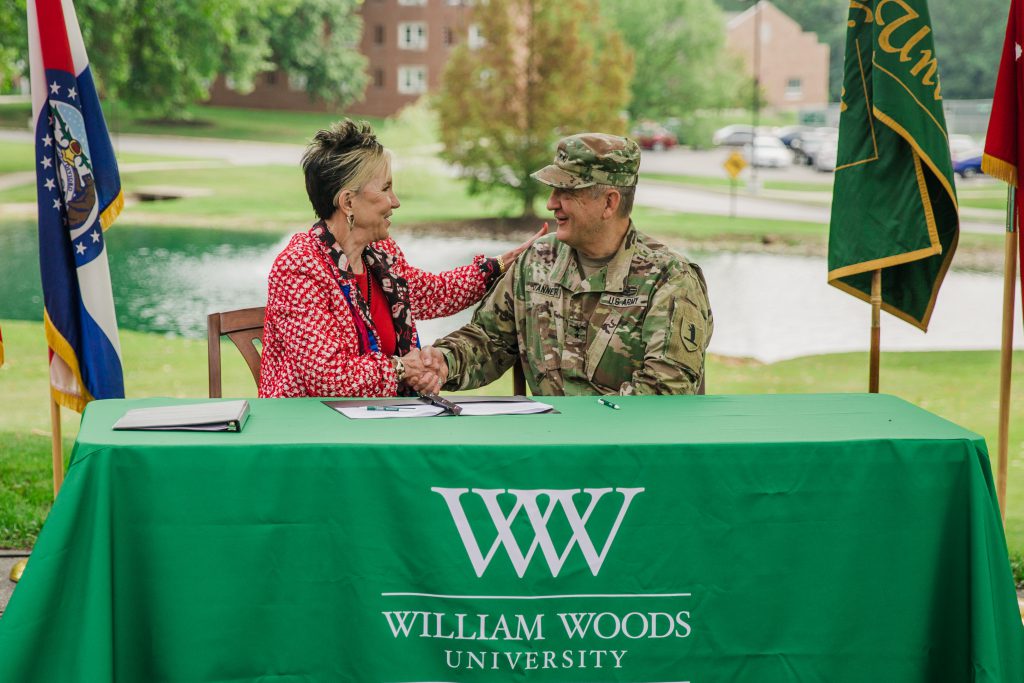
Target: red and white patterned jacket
point(311, 339)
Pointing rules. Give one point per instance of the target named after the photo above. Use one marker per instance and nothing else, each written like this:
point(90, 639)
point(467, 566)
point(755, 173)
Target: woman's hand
point(425, 370)
point(509, 257)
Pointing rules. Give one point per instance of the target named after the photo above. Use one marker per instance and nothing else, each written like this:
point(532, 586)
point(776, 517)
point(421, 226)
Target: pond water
point(766, 307)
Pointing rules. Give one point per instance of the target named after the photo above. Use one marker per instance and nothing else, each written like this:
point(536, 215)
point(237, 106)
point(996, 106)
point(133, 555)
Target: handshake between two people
point(425, 370)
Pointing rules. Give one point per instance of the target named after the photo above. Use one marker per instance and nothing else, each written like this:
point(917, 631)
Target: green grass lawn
point(412, 129)
point(960, 386)
point(276, 194)
point(992, 200)
point(724, 183)
point(18, 157)
point(700, 226)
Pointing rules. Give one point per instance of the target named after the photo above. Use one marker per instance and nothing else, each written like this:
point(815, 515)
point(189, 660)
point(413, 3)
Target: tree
point(14, 46)
point(335, 71)
point(160, 56)
point(968, 45)
point(547, 68)
point(679, 48)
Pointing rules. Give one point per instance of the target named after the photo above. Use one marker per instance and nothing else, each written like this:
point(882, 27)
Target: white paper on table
point(469, 409)
point(504, 408)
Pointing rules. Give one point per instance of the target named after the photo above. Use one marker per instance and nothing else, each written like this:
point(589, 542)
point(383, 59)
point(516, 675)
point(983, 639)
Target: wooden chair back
point(244, 327)
point(518, 379)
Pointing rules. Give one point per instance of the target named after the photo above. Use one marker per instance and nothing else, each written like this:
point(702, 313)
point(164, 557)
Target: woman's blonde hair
point(342, 157)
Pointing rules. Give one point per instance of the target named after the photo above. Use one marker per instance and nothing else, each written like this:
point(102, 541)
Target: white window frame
point(475, 37)
point(412, 35)
point(412, 3)
point(797, 92)
point(412, 79)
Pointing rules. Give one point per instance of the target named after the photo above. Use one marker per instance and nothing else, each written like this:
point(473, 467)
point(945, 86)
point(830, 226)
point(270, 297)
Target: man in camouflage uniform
point(597, 308)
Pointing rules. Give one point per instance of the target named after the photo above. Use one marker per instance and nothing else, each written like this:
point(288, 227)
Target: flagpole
point(1006, 351)
point(56, 447)
point(876, 329)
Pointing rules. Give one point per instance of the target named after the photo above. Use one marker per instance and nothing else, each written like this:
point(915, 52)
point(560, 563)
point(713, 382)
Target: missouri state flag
point(1004, 144)
point(79, 196)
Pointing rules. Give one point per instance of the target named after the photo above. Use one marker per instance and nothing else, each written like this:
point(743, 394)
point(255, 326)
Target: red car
point(654, 136)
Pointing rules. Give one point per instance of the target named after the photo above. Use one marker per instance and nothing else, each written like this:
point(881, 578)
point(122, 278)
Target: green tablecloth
point(723, 538)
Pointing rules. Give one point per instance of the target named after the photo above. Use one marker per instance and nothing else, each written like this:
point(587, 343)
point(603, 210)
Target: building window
point(476, 37)
point(447, 35)
point(412, 80)
point(270, 78)
point(459, 3)
point(378, 34)
point(412, 3)
point(378, 78)
point(297, 81)
point(412, 35)
point(794, 89)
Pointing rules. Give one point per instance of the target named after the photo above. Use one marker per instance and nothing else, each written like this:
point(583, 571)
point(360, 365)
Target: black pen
point(606, 402)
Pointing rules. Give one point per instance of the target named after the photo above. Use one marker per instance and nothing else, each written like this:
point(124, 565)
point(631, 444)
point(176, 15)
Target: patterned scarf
point(395, 288)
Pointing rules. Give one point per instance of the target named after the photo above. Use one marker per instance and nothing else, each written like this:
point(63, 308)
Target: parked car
point(827, 155)
point(789, 134)
point(807, 144)
point(962, 147)
point(735, 135)
point(768, 151)
point(969, 167)
point(651, 135)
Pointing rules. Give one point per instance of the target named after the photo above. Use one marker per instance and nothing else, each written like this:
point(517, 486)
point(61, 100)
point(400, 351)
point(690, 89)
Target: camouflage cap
point(592, 158)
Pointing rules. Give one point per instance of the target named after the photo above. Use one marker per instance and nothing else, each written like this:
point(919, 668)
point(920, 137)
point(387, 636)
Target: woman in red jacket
point(342, 300)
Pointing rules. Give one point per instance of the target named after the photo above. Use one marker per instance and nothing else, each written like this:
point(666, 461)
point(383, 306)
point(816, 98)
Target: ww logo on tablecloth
point(526, 501)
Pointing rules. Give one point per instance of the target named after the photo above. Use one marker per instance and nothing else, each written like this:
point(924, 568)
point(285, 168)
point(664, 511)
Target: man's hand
point(425, 369)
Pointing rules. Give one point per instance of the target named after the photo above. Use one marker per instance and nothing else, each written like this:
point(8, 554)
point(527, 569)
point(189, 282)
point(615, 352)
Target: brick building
point(793, 64)
point(406, 42)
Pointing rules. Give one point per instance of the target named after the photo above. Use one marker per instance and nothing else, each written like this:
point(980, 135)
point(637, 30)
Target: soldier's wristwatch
point(399, 367)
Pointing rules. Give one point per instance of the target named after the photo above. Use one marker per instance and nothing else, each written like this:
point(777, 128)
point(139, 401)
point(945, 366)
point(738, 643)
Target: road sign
point(734, 164)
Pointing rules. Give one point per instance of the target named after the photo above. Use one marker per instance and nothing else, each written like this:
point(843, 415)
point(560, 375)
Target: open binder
point(219, 416)
point(430, 406)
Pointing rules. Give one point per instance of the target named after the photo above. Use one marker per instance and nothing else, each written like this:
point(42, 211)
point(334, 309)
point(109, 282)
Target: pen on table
point(390, 409)
point(606, 402)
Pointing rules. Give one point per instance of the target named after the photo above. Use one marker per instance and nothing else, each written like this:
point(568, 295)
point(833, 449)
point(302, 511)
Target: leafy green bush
point(1017, 566)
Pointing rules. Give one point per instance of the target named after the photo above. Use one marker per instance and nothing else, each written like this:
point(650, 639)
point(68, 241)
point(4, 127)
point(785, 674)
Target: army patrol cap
point(590, 159)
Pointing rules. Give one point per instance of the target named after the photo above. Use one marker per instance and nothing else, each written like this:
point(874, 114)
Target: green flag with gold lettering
point(894, 205)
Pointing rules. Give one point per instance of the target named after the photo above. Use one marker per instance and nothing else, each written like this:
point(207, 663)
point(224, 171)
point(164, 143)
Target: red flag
point(1004, 144)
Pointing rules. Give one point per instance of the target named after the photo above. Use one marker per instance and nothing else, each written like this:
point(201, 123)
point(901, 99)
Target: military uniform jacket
point(640, 325)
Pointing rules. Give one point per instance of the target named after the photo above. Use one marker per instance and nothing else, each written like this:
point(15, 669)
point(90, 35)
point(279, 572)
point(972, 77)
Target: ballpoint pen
point(390, 409)
point(606, 402)
point(441, 402)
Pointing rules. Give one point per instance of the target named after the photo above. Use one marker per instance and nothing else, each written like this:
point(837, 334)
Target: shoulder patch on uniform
point(546, 249)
